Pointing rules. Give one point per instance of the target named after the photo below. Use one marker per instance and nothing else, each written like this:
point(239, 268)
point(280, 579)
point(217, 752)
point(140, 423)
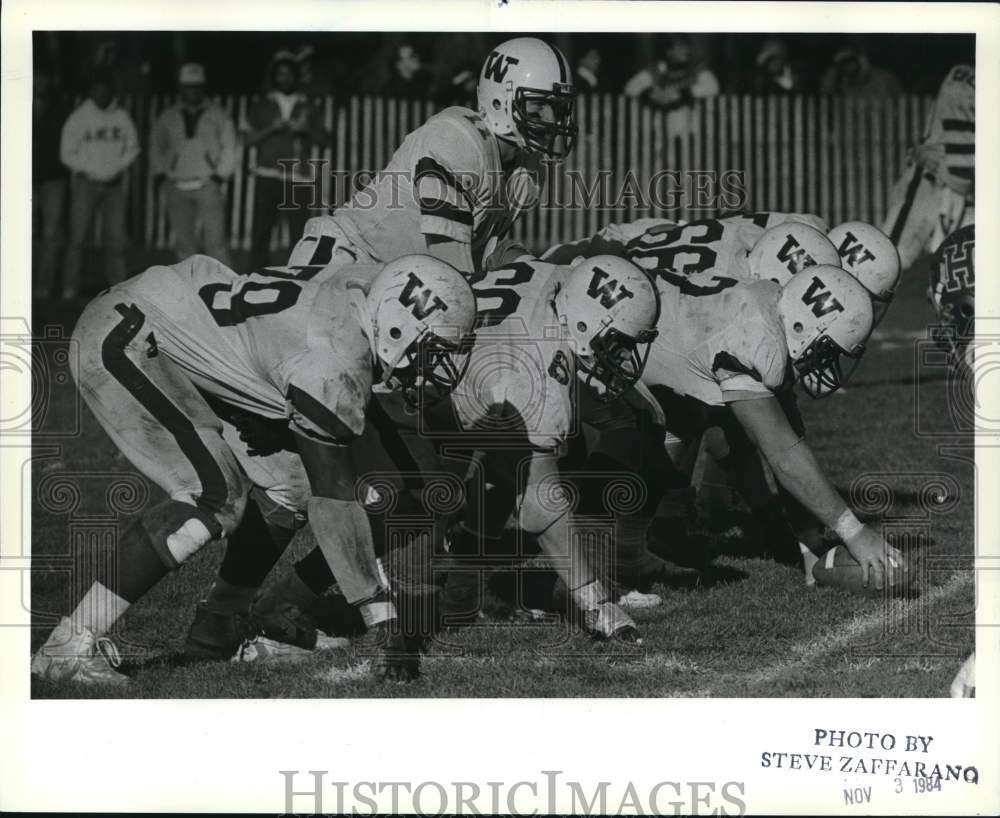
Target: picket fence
point(836, 157)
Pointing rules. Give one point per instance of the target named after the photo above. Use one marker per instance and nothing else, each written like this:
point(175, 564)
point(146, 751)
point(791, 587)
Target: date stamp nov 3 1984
point(867, 762)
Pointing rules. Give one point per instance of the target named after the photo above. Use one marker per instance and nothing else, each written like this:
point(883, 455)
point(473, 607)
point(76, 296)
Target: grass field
point(760, 632)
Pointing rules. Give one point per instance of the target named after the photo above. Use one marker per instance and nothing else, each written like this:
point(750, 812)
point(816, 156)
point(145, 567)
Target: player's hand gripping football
point(882, 563)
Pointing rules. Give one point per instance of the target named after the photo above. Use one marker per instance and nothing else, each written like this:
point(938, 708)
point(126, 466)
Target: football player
point(160, 353)
point(545, 335)
point(457, 183)
point(743, 345)
point(723, 243)
point(952, 293)
point(936, 194)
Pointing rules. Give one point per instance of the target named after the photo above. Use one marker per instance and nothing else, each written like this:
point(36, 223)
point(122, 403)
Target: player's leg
point(627, 449)
point(544, 509)
point(396, 465)
point(912, 214)
point(157, 419)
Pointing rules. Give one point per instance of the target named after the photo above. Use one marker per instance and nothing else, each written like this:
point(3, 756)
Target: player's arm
point(456, 253)
point(445, 186)
point(798, 471)
point(337, 518)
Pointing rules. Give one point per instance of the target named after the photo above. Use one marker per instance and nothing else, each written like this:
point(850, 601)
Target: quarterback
point(168, 356)
point(457, 183)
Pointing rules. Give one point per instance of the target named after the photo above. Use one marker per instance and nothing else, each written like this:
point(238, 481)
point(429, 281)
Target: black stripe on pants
point(214, 492)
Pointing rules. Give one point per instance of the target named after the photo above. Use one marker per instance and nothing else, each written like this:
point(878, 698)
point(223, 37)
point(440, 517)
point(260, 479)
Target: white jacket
point(98, 143)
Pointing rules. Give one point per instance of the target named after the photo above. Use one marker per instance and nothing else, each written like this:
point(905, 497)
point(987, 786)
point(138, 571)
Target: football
point(838, 569)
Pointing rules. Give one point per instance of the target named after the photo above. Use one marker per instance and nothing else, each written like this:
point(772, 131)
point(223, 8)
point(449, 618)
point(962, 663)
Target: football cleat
point(284, 633)
point(608, 621)
point(83, 657)
point(396, 658)
point(214, 634)
point(635, 600)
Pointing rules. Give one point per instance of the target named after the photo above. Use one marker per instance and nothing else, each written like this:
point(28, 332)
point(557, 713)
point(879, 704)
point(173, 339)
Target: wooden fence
point(834, 157)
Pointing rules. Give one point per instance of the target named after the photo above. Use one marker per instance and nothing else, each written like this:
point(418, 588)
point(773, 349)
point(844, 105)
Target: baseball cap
point(191, 74)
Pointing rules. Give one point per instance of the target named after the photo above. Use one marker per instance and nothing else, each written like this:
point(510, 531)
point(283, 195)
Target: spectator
point(48, 181)
point(312, 83)
point(284, 126)
point(98, 144)
point(775, 73)
point(193, 151)
point(673, 82)
point(408, 79)
point(588, 73)
point(853, 75)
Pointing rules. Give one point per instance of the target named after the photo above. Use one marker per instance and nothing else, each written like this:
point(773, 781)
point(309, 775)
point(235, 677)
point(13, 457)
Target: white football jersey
point(719, 339)
point(445, 182)
point(722, 244)
point(280, 342)
point(521, 379)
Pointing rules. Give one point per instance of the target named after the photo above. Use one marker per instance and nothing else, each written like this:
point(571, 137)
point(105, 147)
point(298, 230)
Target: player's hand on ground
point(883, 564)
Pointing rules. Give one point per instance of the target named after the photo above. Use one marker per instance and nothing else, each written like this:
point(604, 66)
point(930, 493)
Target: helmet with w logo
point(787, 249)
point(827, 317)
point(526, 96)
point(422, 313)
point(869, 255)
point(609, 308)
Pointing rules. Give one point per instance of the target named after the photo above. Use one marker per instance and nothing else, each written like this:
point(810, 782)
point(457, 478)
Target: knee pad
point(177, 530)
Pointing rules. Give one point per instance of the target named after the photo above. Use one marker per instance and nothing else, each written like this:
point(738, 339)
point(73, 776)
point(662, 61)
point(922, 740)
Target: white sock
point(589, 596)
point(809, 559)
point(98, 610)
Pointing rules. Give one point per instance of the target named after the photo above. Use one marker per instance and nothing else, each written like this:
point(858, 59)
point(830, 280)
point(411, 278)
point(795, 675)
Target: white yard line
point(810, 652)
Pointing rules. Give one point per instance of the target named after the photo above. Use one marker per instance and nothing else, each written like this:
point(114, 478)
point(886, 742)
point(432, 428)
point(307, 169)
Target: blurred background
point(807, 123)
point(369, 62)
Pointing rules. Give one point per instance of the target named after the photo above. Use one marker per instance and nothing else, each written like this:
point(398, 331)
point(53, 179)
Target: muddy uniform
point(168, 354)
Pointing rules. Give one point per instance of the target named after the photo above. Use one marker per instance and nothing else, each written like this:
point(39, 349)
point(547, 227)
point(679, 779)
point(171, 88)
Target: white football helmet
point(827, 317)
point(609, 307)
point(787, 249)
point(526, 96)
point(869, 255)
point(422, 314)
